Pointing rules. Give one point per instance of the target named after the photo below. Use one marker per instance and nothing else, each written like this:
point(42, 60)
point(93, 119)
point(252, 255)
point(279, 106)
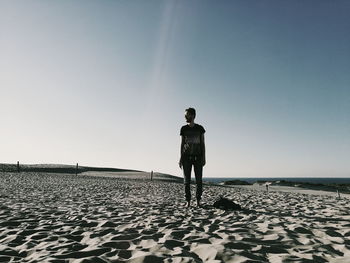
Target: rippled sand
point(67, 218)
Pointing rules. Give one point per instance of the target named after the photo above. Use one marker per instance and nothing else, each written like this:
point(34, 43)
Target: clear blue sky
point(106, 83)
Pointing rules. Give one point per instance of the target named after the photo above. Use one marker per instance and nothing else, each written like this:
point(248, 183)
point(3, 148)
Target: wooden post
point(76, 169)
point(17, 166)
point(151, 175)
point(338, 194)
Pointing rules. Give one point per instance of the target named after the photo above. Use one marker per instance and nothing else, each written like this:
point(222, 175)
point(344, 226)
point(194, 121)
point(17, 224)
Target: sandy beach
point(55, 217)
point(291, 189)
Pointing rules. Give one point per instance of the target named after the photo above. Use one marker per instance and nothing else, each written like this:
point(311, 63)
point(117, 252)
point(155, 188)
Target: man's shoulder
point(196, 125)
point(183, 129)
point(199, 126)
point(184, 126)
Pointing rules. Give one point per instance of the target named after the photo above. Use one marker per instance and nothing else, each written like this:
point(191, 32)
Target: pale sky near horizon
point(106, 83)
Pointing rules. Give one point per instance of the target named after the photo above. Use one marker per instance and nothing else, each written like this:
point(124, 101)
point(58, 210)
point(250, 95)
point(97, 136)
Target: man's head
point(190, 114)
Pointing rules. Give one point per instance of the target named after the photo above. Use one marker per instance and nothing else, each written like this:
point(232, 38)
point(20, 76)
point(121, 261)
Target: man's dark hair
point(192, 111)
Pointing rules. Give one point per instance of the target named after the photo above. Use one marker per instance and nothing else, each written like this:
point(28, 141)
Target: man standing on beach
point(192, 153)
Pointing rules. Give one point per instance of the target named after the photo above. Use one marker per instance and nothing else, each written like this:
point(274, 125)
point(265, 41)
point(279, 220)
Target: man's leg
point(198, 171)
point(187, 166)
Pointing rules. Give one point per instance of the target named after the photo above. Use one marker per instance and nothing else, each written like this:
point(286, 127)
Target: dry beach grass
point(57, 217)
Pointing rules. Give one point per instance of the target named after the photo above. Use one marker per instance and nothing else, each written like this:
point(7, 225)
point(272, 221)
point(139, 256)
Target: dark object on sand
point(226, 204)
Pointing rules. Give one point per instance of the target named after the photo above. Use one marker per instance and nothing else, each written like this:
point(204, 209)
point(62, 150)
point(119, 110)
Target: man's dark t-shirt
point(192, 136)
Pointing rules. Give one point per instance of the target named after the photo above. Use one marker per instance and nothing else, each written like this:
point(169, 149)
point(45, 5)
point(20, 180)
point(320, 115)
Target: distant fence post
point(76, 169)
point(338, 194)
point(151, 175)
point(17, 166)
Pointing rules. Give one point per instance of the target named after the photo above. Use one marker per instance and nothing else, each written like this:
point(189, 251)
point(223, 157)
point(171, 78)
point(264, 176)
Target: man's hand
point(180, 164)
point(203, 162)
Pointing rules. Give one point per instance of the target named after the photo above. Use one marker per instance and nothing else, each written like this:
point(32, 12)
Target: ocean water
point(315, 180)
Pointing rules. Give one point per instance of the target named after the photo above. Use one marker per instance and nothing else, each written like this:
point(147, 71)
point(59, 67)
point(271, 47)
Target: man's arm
point(203, 148)
point(181, 149)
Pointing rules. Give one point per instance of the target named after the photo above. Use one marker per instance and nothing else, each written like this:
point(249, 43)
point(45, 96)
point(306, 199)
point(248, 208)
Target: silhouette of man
point(192, 154)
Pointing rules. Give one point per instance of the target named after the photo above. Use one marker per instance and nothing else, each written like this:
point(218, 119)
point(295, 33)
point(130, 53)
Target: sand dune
point(47, 217)
point(134, 175)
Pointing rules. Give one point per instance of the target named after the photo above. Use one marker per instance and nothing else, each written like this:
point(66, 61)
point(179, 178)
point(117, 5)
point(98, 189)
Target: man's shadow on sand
point(225, 204)
point(241, 209)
